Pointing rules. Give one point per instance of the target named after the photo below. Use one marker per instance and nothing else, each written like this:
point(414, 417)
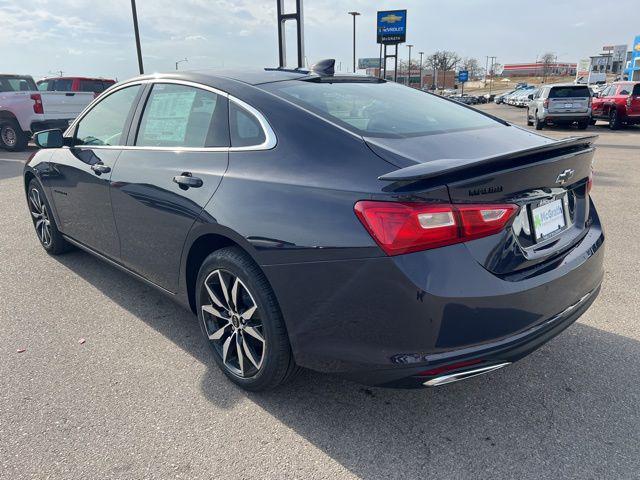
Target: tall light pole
point(409, 66)
point(137, 33)
point(354, 14)
point(181, 61)
point(421, 82)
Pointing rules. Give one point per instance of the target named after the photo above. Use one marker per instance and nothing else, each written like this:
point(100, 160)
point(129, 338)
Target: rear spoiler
point(444, 166)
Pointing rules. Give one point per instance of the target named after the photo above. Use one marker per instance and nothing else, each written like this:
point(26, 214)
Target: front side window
point(105, 122)
point(183, 116)
point(636, 90)
point(381, 109)
point(625, 89)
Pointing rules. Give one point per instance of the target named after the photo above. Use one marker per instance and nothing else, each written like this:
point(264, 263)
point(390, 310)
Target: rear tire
point(614, 119)
point(245, 329)
point(583, 125)
point(539, 125)
point(12, 137)
point(46, 229)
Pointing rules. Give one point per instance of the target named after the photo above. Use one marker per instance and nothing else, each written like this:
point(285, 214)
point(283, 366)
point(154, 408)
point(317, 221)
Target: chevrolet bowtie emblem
point(565, 176)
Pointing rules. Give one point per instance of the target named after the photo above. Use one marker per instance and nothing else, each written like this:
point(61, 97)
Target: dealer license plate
point(548, 219)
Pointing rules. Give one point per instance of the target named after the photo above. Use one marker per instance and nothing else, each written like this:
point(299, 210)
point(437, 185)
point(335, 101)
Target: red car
point(619, 103)
point(75, 84)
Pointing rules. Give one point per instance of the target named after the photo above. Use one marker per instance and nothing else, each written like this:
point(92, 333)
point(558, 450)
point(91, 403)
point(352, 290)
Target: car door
point(178, 152)
point(633, 102)
point(597, 104)
point(80, 174)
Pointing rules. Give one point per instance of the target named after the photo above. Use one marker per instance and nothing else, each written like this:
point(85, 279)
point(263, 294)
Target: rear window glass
point(381, 109)
point(64, 85)
point(566, 92)
point(17, 84)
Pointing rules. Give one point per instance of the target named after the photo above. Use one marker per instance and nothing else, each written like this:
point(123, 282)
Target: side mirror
point(530, 96)
point(49, 138)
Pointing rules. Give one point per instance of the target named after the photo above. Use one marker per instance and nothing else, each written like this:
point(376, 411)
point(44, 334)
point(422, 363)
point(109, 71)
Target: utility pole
point(137, 33)
point(421, 82)
point(181, 61)
point(354, 14)
point(486, 71)
point(409, 66)
point(493, 60)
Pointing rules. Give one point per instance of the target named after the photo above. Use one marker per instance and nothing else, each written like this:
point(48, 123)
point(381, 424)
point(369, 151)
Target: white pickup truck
point(24, 110)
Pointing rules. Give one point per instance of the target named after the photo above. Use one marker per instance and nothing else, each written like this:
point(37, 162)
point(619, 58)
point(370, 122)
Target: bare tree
point(548, 61)
point(444, 61)
point(473, 67)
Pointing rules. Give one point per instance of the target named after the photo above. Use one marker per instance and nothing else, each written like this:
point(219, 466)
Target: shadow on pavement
point(569, 410)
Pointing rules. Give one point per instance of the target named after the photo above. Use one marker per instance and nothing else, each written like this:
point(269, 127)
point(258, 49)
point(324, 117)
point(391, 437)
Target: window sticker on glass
point(168, 115)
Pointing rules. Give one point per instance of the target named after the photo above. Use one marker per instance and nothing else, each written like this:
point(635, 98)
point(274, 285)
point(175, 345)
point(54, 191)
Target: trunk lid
point(569, 99)
point(547, 179)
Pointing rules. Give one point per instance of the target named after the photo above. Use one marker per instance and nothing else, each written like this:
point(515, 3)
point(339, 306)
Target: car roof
point(77, 78)
point(247, 76)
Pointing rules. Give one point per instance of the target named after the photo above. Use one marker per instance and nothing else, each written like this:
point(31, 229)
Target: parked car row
point(27, 107)
point(617, 103)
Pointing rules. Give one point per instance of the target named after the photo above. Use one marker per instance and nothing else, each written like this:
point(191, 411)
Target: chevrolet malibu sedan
point(338, 223)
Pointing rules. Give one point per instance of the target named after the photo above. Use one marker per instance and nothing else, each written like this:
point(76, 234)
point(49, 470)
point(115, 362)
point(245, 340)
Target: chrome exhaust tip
point(456, 377)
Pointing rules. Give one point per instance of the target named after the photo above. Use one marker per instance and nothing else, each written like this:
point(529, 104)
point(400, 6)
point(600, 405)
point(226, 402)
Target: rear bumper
point(566, 117)
point(381, 321)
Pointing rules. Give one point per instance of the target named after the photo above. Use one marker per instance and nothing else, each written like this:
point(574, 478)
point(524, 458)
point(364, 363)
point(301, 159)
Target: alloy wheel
point(9, 136)
point(40, 217)
point(233, 324)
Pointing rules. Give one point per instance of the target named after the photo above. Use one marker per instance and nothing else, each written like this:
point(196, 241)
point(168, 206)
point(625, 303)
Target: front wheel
point(240, 318)
point(12, 137)
point(46, 229)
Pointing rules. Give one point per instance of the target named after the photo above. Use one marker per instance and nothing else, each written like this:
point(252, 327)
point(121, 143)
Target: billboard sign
point(463, 76)
point(373, 62)
point(392, 26)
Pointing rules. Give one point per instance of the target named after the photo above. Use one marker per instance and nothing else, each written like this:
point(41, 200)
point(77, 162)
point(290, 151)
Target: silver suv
point(560, 104)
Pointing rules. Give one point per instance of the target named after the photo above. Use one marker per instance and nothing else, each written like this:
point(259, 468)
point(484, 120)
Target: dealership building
point(632, 72)
point(538, 69)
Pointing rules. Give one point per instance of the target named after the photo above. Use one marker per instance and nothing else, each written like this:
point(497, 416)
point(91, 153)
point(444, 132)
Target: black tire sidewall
point(278, 351)
point(58, 243)
point(21, 138)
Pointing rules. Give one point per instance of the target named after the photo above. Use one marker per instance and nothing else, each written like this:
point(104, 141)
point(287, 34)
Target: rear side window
point(183, 116)
point(569, 91)
point(381, 109)
point(43, 86)
point(95, 86)
point(245, 129)
point(624, 89)
point(105, 122)
point(17, 84)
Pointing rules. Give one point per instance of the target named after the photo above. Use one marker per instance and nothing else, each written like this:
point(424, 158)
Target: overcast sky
point(95, 37)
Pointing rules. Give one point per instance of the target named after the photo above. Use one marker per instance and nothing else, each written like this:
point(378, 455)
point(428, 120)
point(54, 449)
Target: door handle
point(186, 180)
point(100, 168)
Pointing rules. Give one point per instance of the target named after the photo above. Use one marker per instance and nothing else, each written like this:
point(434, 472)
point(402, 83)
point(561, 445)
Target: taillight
point(589, 102)
point(545, 104)
point(629, 100)
point(590, 182)
point(410, 227)
point(37, 103)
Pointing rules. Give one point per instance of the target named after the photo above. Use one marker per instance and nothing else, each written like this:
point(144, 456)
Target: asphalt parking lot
point(141, 397)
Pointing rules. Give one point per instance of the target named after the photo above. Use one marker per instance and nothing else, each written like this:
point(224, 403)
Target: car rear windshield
point(17, 84)
point(569, 91)
point(381, 109)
